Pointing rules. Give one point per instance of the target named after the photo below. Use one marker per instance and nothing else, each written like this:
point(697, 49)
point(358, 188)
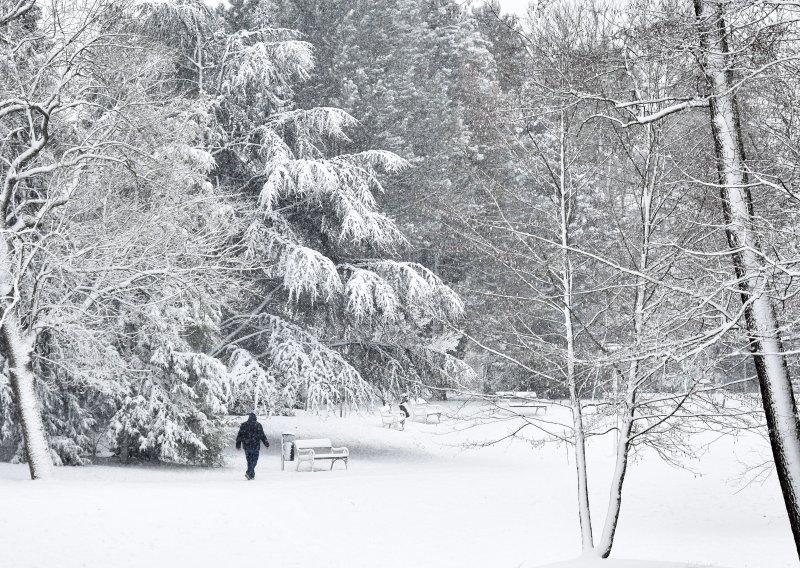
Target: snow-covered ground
point(413, 498)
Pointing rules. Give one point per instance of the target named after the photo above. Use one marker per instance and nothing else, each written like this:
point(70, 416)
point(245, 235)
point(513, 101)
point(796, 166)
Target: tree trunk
point(19, 349)
point(23, 383)
point(620, 469)
point(584, 511)
point(762, 325)
point(124, 449)
point(650, 174)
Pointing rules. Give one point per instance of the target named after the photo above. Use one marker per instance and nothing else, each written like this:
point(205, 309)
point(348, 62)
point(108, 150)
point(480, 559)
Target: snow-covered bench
point(524, 399)
point(318, 449)
point(391, 418)
point(419, 410)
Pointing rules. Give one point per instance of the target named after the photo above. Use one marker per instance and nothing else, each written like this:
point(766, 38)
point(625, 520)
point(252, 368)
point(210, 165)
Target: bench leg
point(334, 460)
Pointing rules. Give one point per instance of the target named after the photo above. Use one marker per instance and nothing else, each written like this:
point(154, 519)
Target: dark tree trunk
point(762, 326)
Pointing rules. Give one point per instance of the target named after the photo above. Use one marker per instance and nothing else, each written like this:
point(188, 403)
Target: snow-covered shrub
point(66, 451)
point(176, 397)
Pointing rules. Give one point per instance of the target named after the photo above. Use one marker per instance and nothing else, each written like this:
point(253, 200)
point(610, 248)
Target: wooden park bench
point(391, 418)
point(318, 449)
point(419, 410)
point(525, 399)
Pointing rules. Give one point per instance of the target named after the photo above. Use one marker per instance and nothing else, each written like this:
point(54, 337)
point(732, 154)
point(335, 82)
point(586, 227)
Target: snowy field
point(413, 498)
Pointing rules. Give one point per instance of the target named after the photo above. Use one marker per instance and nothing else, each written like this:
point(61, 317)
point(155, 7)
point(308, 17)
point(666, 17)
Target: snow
point(613, 563)
point(410, 498)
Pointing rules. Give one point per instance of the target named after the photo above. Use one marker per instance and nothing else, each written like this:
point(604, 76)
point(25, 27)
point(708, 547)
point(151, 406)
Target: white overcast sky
point(515, 6)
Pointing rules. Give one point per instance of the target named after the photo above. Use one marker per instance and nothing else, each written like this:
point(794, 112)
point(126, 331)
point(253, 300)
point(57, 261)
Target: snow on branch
point(307, 272)
point(196, 159)
point(439, 363)
point(272, 148)
point(169, 20)
point(264, 67)
point(313, 123)
point(364, 227)
point(250, 387)
point(369, 296)
point(631, 108)
point(345, 185)
point(309, 369)
point(15, 10)
point(419, 289)
point(381, 160)
point(269, 237)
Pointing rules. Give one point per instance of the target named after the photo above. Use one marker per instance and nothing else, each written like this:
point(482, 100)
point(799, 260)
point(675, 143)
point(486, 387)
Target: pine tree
point(323, 302)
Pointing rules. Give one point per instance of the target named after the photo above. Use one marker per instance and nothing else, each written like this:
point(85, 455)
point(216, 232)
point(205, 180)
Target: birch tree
point(763, 329)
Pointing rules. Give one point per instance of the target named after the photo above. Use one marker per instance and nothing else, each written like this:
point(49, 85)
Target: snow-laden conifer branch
point(308, 369)
point(198, 159)
point(267, 67)
point(308, 273)
point(345, 185)
point(371, 297)
point(251, 387)
point(423, 293)
point(180, 21)
point(314, 123)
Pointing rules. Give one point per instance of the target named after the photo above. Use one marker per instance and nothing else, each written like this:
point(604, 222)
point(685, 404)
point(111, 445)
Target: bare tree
point(609, 266)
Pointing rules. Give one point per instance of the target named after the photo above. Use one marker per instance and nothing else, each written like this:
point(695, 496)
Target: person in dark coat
point(404, 407)
point(251, 435)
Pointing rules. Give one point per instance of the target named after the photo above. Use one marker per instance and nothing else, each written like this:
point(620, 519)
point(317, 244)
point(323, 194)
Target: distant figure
point(251, 434)
point(403, 406)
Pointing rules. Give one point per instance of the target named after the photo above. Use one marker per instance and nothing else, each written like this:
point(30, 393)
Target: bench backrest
point(319, 445)
point(526, 394)
point(516, 394)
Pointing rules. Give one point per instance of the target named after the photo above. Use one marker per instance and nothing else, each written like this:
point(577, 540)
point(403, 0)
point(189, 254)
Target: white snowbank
point(412, 498)
point(614, 563)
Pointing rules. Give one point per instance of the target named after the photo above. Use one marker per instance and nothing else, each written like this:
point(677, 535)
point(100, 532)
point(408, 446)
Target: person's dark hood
point(251, 418)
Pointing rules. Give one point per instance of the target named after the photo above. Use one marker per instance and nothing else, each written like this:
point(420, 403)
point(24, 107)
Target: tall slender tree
point(763, 329)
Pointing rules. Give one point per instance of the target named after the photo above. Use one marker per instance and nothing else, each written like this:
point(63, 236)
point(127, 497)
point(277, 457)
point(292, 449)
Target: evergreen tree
point(326, 316)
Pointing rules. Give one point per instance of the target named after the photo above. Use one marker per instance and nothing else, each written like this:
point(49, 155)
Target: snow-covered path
point(409, 499)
